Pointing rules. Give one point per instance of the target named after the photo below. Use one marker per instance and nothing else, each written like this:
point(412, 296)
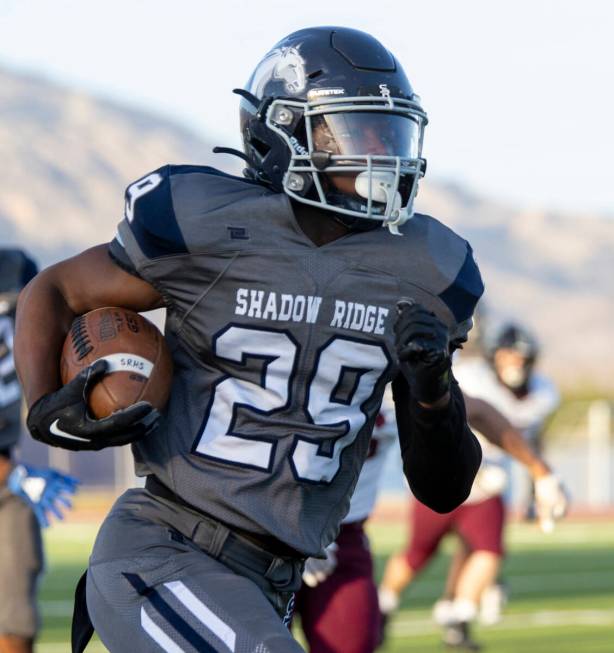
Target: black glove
point(422, 345)
point(61, 418)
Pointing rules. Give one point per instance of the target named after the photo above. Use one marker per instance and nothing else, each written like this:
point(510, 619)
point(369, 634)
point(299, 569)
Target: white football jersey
point(384, 436)
point(528, 414)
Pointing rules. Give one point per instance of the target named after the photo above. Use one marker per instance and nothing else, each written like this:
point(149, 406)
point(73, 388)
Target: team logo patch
point(238, 233)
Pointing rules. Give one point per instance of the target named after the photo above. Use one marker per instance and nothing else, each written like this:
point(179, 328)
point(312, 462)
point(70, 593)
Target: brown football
point(139, 362)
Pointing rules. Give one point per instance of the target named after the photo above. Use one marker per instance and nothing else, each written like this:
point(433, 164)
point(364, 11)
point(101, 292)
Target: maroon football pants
point(341, 615)
point(480, 526)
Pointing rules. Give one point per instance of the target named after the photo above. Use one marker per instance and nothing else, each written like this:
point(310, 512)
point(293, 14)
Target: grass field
point(562, 591)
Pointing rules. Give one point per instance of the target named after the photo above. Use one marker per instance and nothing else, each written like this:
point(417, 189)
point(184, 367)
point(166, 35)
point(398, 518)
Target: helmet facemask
point(513, 367)
point(356, 156)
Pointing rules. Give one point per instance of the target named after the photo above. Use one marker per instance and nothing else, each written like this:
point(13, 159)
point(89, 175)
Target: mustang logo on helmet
point(285, 64)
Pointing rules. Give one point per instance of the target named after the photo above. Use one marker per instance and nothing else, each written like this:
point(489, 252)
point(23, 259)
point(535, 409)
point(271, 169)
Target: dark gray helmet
point(16, 270)
point(329, 117)
point(516, 337)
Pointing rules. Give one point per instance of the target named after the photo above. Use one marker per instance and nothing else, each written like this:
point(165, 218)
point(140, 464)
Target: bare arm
point(50, 302)
point(497, 429)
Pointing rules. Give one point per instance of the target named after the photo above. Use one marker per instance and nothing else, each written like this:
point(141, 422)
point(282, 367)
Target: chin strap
point(249, 172)
point(230, 150)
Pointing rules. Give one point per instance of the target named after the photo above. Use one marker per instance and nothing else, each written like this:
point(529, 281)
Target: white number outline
point(360, 371)
point(345, 423)
point(236, 405)
point(139, 188)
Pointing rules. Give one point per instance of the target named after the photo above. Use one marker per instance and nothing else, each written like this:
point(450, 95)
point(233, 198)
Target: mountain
point(67, 160)
point(551, 271)
point(68, 156)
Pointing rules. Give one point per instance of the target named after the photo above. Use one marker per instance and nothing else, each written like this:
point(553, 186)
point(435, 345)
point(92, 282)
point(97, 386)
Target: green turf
point(562, 589)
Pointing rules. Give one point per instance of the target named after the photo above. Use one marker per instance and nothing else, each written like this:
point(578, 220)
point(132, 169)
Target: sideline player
point(507, 378)
point(285, 324)
point(480, 520)
point(28, 496)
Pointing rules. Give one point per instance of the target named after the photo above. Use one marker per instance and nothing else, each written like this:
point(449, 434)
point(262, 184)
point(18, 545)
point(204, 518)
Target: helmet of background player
point(329, 117)
point(513, 354)
point(16, 270)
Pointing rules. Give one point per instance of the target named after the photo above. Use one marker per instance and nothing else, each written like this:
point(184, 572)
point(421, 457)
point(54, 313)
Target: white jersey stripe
point(158, 635)
point(203, 614)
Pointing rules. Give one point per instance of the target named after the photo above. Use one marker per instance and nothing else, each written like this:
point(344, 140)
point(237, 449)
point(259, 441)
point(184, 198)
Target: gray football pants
point(150, 588)
point(21, 563)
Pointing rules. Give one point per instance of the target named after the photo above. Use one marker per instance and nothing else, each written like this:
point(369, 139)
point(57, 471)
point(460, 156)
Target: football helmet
point(329, 117)
point(16, 270)
point(514, 365)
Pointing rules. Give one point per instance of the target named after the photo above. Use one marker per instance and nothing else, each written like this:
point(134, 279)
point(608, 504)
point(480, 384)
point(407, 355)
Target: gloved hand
point(45, 490)
point(422, 345)
point(61, 418)
point(551, 501)
point(318, 570)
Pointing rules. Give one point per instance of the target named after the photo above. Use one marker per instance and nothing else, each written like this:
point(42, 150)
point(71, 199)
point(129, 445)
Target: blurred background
point(520, 101)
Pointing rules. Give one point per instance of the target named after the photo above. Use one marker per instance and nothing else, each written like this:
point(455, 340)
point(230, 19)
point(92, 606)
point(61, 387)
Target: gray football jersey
point(281, 349)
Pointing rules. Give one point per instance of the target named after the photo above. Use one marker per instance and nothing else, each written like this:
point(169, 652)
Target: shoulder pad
point(160, 206)
point(462, 295)
point(453, 258)
point(149, 212)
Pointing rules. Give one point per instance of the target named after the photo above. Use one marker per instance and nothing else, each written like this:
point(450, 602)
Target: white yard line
point(406, 625)
point(534, 583)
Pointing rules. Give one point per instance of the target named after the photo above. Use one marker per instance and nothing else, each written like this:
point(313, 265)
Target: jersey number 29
point(311, 460)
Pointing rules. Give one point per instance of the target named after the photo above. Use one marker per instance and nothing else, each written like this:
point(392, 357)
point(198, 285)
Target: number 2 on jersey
point(339, 361)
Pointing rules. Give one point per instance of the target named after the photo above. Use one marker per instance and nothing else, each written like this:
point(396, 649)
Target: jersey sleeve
point(440, 272)
point(150, 228)
point(174, 214)
point(462, 295)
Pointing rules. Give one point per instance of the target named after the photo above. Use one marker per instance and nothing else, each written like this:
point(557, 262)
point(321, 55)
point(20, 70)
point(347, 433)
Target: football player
point(509, 379)
point(28, 496)
point(519, 411)
point(293, 296)
point(506, 376)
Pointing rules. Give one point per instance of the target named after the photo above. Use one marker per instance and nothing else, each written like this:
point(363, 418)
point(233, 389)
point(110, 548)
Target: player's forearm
point(441, 455)
point(498, 430)
point(513, 443)
point(43, 320)
point(49, 303)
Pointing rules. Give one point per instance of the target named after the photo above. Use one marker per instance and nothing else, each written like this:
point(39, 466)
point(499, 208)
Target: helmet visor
point(360, 134)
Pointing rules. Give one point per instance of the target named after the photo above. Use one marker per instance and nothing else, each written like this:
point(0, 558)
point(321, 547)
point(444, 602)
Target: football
point(140, 367)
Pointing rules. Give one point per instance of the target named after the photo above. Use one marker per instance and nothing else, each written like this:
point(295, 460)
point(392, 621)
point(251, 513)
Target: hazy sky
point(520, 94)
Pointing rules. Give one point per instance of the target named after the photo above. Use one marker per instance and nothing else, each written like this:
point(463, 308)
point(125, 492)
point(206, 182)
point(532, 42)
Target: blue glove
point(45, 490)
